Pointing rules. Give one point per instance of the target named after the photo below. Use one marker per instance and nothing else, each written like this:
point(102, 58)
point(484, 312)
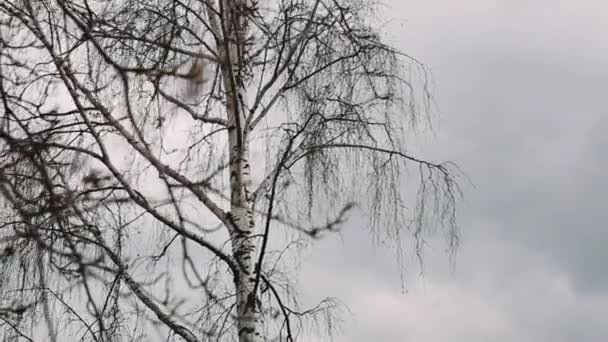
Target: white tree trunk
point(251, 327)
point(250, 316)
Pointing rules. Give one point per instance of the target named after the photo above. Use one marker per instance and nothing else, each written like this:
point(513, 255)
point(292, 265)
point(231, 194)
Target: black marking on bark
point(236, 230)
point(246, 330)
point(251, 301)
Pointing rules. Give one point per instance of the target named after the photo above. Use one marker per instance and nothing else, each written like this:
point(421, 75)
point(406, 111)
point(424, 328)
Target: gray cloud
point(520, 86)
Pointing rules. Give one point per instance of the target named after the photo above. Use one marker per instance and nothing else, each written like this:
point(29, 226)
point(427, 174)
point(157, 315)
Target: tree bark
point(249, 312)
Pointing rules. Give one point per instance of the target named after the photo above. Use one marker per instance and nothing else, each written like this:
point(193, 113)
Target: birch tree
point(160, 159)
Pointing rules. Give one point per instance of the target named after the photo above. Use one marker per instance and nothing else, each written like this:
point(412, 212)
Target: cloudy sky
point(520, 87)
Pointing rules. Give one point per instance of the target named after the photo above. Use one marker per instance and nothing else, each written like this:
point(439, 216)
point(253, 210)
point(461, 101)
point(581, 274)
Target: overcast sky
point(520, 85)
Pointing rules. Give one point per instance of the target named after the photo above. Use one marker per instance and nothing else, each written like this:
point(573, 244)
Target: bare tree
point(152, 150)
